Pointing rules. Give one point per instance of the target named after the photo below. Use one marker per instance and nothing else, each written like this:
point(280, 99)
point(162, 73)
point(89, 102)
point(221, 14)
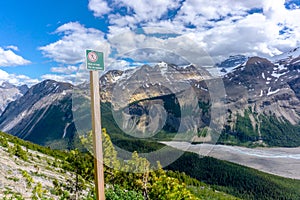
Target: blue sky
point(41, 39)
point(29, 25)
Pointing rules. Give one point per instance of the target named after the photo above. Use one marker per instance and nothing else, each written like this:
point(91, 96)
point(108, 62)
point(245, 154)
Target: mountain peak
point(50, 86)
point(287, 57)
point(23, 88)
point(231, 63)
point(6, 85)
point(257, 60)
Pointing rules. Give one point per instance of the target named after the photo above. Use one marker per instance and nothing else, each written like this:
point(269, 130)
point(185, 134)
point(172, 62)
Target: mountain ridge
point(266, 88)
point(43, 103)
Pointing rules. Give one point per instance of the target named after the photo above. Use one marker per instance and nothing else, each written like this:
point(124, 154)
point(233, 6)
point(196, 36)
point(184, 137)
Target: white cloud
point(81, 75)
point(64, 70)
point(3, 75)
point(117, 64)
point(201, 13)
point(15, 48)
point(140, 11)
point(275, 10)
point(244, 36)
point(158, 45)
point(198, 12)
point(16, 79)
point(9, 58)
point(123, 21)
point(99, 7)
point(70, 49)
point(230, 27)
point(150, 10)
point(216, 28)
point(128, 41)
point(22, 79)
point(60, 78)
point(222, 28)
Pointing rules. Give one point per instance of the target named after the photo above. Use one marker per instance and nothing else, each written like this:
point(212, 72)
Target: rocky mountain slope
point(258, 100)
point(266, 87)
point(29, 171)
point(43, 115)
point(262, 92)
point(261, 99)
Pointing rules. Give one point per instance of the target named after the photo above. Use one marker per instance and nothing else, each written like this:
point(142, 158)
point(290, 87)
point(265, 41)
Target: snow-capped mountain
point(142, 80)
point(292, 56)
point(231, 63)
point(261, 81)
point(9, 93)
point(42, 115)
point(266, 90)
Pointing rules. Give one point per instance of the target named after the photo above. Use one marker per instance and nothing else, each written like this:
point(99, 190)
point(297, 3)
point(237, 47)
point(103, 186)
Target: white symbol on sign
point(92, 56)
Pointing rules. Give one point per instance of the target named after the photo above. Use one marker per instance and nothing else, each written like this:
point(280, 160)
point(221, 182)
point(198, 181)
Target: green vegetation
point(166, 187)
point(117, 193)
point(29, 179)
point(243, 182)
point(136, 175)
point(272, 131)
point(189, 177)
point(28, 145)
point(50, 122)
point(120, 181)
point(38, 192)
point(3, 141)
point(203, 132)
point(13, 196)
point(244, 129)
point(18, 151)
point(141, 146)
point(243, 132)
point(279, 133)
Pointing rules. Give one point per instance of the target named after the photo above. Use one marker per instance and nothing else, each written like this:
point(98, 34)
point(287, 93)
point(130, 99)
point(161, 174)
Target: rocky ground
point(29, 178)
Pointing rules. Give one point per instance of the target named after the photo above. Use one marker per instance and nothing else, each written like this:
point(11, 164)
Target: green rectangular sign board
point(94, 60)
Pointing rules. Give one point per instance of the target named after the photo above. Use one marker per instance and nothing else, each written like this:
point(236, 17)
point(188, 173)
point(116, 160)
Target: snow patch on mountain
point(230, 64)
point(286, 57)
point(272, 92)
point(9, 93)
point(163, 67)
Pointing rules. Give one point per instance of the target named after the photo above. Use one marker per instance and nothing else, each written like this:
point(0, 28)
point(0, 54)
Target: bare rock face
point(43, 114)
point(9, 93)
point(146, 81)
point(266, 87)
point(182, 96)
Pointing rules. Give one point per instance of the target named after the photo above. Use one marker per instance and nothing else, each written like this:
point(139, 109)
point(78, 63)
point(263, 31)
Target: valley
point(150, 100)
point(251, 112)
point(283, 162)
point(243, 105)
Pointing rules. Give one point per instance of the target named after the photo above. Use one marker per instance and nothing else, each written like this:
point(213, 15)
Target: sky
point(47, 39)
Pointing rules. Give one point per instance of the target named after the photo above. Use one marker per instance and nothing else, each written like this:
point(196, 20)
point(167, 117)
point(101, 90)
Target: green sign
point(94, 60)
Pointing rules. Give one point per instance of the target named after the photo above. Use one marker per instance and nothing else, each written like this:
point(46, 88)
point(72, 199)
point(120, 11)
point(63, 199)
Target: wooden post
point(97, 135)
